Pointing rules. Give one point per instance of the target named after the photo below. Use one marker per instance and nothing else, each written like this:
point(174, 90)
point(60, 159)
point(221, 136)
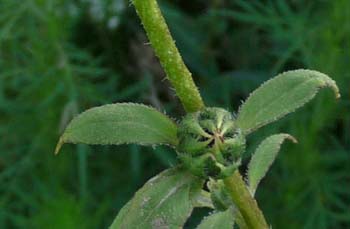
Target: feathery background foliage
point(61, 57)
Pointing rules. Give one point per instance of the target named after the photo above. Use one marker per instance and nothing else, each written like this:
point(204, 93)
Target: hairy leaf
point(280, 96)
point(118, 124)
point(202, 200)
point(263, 158)
point(222, 220)
point(165, 201)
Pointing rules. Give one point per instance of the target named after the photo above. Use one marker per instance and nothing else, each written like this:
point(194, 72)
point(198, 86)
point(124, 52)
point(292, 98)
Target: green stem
point(169, 56)
point(240, 220)
point(181, 78)
point(244, 201)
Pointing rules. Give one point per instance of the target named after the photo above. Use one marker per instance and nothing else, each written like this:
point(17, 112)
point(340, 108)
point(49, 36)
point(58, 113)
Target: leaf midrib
point(179, 186)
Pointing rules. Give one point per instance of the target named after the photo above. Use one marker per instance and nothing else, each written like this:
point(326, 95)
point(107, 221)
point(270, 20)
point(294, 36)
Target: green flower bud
point(210, 144)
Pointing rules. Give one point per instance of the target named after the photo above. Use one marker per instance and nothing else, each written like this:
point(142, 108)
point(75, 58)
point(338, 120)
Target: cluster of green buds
point(210, 144)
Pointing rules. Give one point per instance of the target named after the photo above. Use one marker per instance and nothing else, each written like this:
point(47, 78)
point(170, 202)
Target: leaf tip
point(335, 89)
point(291, 138)
point(337, 95)
point(58, 146)
point(328, 82)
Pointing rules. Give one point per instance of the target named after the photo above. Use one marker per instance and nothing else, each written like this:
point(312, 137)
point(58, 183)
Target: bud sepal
point(210, 144)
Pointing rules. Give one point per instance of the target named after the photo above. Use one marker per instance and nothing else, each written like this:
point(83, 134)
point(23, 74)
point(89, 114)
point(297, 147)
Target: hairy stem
point(181, 78)
point(239, 219)
point(169, 56)
point(244, 201)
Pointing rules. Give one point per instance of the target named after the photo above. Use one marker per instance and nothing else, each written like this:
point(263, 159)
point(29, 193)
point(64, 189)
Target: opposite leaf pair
point(214, 141)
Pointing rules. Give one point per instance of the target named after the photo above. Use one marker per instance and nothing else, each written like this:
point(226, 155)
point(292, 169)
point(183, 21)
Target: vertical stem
point(181, 78)
point(246, 204)
point(239, 219)
point(169, 56)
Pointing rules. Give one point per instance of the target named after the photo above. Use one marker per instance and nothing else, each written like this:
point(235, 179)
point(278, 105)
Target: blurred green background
point(60, 57)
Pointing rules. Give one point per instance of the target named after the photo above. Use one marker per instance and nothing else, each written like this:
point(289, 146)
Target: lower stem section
point(244, 201)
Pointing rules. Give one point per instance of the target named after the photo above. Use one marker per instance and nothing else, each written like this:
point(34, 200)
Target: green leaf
point(202, 200)
point(118, 124)
point(165, 201)
point(281, 95)
point(263, 158)
point(222, 220)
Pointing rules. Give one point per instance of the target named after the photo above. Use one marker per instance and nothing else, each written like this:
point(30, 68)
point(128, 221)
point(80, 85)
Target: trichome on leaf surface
point(209, 141)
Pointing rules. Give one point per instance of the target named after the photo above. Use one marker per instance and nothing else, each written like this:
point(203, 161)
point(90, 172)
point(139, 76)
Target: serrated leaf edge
point(163, 174)
point(231, 210)
point(62, 141)
point(285, 137)
point(328, 82)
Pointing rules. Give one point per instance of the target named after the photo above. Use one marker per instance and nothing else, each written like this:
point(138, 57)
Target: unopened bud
point(210, 144)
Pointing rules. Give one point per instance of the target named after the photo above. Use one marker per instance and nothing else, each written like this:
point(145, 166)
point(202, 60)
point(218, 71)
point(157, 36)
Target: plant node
point(210, 144)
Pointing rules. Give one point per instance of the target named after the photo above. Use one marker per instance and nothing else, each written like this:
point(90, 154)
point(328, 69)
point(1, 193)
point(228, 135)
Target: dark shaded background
point(60, 57)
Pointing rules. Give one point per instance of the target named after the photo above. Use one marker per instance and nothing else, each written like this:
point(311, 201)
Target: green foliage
point(117, 124)
point(312, 36)
point(219, 195)
point(46, 78)
point(50, 70)
point(211, 133)
point(209, 142)
point(222, 220)
point(263, 158)
point(280, 96)
point(157, 203)
point(165, 201)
